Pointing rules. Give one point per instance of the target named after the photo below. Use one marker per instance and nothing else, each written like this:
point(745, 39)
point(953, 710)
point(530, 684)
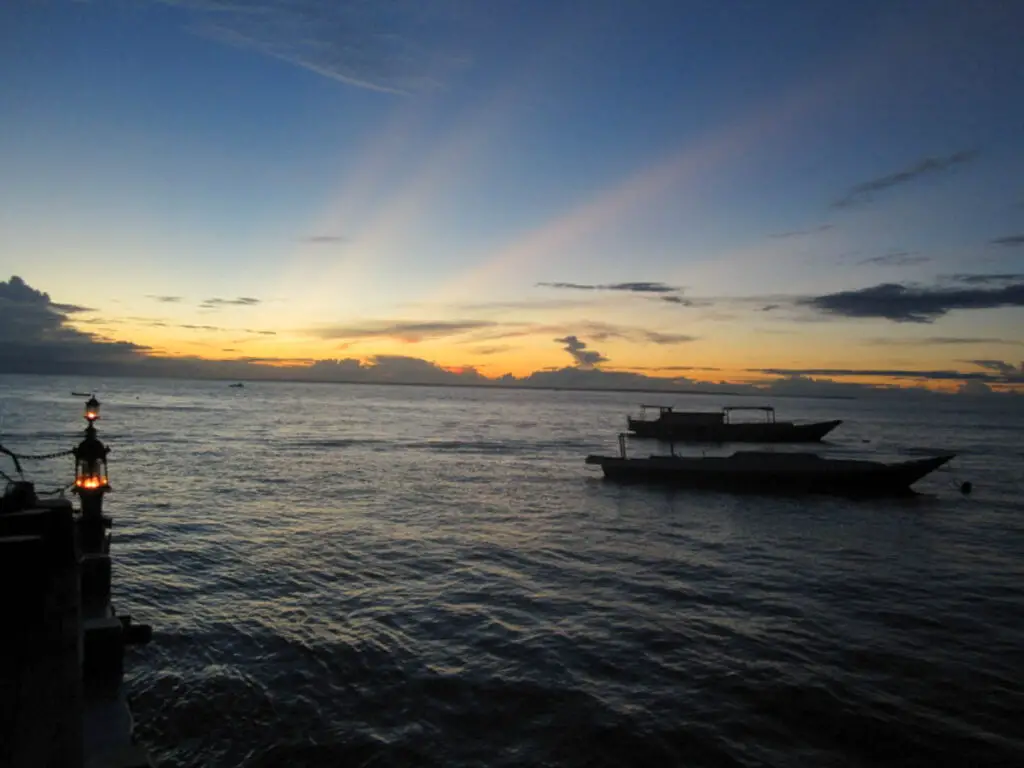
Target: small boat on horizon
point(81, 394)
point(718, 426)
point(237, 385)
point(771, 472)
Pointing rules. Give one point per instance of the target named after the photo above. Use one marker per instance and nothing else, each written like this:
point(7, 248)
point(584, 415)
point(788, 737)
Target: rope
point(14, 458)
point(17, 458)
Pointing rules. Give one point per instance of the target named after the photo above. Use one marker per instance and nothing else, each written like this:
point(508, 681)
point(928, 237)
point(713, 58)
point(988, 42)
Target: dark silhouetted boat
point(719, 427)
point(771, 472)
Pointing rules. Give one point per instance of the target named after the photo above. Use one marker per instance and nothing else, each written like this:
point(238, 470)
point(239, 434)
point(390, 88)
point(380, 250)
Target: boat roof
point(726, 409)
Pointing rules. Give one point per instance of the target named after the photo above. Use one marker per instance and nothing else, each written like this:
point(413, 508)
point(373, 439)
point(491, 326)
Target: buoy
point(966, 487)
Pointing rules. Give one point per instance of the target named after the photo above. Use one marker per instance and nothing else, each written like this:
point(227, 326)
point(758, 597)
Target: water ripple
point(399, 576)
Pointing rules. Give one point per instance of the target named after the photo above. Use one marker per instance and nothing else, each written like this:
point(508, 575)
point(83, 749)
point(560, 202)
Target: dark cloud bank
point(923, 304)
point(36, 338)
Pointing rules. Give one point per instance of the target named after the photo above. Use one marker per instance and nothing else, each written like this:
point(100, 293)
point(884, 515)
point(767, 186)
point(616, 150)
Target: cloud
point(929, 166)
point(653, 289)
point(914, 304)
point(803, 232)
point(496, 349)
point(165, 299)
point(1001, 367)
point(407, 331)
point(655, 337)
point(640, 287)
point(1010, 241)
point(35, 336)
point(585, 358)
point(985, 279)
point(678, 300)
point(156, 323)
point(325, 239)
point(892, 373)
point(482, 331)
point(399, 46)
point(896, 259)
point(944, 341)
point(241, 301)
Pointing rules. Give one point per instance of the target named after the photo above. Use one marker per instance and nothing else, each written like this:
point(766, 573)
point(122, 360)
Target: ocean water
point(377, 576)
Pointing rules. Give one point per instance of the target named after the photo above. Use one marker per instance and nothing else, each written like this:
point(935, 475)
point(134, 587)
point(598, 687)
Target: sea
point(356, 575)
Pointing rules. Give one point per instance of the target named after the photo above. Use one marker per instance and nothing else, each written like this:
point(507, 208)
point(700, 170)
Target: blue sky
point(358, 166)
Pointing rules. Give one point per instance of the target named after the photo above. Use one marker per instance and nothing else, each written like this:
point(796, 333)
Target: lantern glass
point(92, 410)
point(91, 474)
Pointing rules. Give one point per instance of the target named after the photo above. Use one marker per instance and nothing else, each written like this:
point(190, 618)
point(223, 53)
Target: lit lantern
point(91, 464)
point(92, 409)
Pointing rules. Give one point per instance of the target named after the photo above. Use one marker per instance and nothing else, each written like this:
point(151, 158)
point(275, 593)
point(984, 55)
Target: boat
point(239, 385)
point(771, 472)
point(719, 426)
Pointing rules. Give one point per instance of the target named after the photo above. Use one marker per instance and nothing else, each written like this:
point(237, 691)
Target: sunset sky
point(723, 190)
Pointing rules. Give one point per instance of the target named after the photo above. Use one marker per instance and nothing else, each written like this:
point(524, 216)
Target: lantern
point(91, 465)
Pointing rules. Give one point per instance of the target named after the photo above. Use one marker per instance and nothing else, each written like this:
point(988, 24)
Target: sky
point(684, 191)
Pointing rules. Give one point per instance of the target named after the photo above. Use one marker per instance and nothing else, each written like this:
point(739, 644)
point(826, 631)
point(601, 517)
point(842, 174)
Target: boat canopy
point(769, 411)
point(668, 413)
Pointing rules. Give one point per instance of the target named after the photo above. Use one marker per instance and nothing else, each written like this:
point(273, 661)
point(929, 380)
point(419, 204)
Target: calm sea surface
point(373, 576)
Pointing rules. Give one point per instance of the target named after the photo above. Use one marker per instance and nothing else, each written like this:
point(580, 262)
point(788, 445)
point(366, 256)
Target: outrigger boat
point(770, 472)
point(718, 426)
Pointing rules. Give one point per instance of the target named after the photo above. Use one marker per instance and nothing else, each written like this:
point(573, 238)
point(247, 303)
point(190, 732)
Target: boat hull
point(770, 432)
point(766, 475)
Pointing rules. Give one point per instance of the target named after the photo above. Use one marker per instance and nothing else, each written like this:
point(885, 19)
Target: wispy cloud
point(639, 287)
point(989, 278)
point(896, 259)
point(670, 294)
point(803, 232)
point(165, 299)
point(407, 331)
point(890, 373)
point(384, 46)
point(929, 166)
point(886, 341)
point(1010, 241)
point(241, 301)
point(494, 350)
point(656, 337)
point(326, 239)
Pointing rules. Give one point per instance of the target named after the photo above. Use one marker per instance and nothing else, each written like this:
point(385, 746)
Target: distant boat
point(718, 426)
point(81, 394)
point(771, 472)
point(239, 385)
